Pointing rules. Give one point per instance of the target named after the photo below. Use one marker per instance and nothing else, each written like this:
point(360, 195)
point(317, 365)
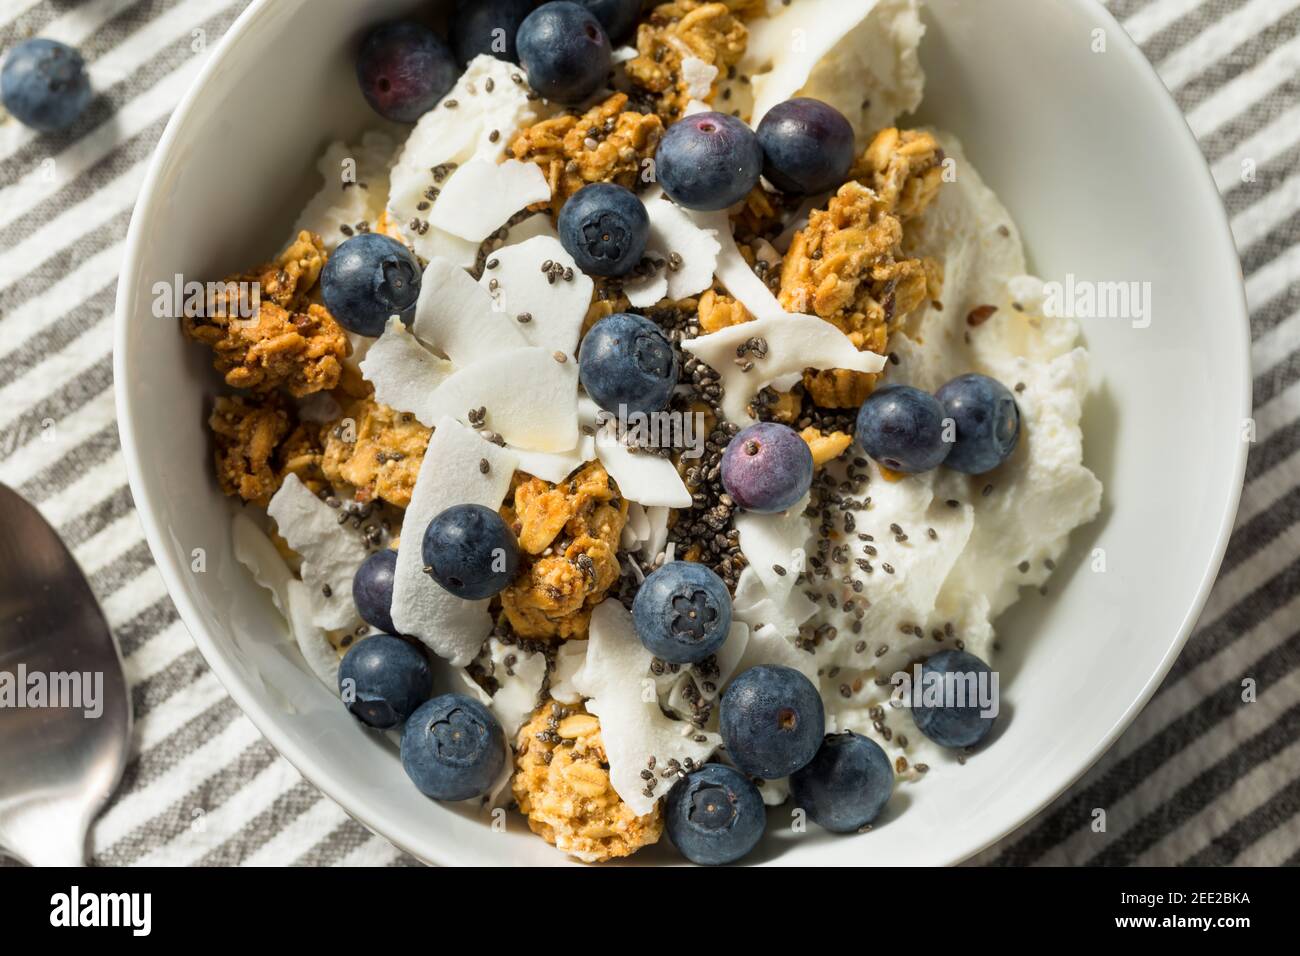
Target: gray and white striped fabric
point(1199, 778)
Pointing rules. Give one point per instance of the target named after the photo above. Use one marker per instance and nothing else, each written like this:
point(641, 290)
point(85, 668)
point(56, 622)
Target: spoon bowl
point(65, 715)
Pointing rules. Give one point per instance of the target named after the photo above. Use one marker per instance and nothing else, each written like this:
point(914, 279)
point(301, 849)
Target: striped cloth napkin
point(1199, 778)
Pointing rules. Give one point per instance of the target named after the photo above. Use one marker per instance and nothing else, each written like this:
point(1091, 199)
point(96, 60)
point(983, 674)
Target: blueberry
point(618, 17)
point(44, 84)
point(682, 612)
point(626, 360)
point(565, 51)
point(714, 815)
point(957, 721)
point(772, 721)
point(807, 146)
point(987, 422)
point(488, 26)
point(372, 590)
point(383, 679)
point(902, 428)
point(470, 551)
point(708, 161)
point(370, 278)
point(605, 228)
point(453, 748)
point(767, 468)
point(846, 785)
point(404, 69)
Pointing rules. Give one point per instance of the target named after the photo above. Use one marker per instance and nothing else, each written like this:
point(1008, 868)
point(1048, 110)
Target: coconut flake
point(404, 373)
point(538, 224)
point(531, 398)
point(768, 647)
point(556, 466)
point(556, 306)
point(673, 230)
point(457, 316)
point(439, 244)
point(490, 109)
point(794, 343)
point(255, 551)
point(698, 77)
point(331, 553)
point(481, 195)
point(621, 692)
point(657, 539)
point(450, 474)
point(754, 605)
point(570, 657)
point(642, 477)
point(354, 190)
point(519, 683)
point(769, 541)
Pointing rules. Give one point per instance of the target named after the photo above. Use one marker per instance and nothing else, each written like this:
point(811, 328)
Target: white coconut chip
point(698, 77)
point(255, 551)
point(672, 230)
point(657, 539)
point(769, 541)
point(643, 477)
point(754, 605)
point(491, 107)
point(404, 373)
point(481, 195)
point(794, 343)
point(450, 474)
point(556, 466)
point(538, 224)
point(331, 553)
point(620, 690)
point(557, 306)
point(439, 244)
point(734, 272)
point(519, 683)
point(570, 657)
point(355, 188)
point(767, 646)
point(774, 792)
point(456, 316)
point(636, 529)
point(531, 398)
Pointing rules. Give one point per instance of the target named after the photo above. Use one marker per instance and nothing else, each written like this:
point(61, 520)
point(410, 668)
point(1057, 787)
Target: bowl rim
point(401, 833)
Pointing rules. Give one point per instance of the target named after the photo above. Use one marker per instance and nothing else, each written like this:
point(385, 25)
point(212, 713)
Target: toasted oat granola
point(607, 144)
point(712, 32)
point(288, 343)
point(376, 451)
point(825, 446)
point(562, 785)
point(569, 535)
point(247, 433)
point(848, 267)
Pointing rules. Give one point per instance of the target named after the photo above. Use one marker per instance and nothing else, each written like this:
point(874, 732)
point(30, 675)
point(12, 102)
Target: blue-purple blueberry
point(372, 589)
point(960, 719)
point(682, 612)
point(488, 26)
point(846, 785)
point(565, 51)
point(44, 84)
point(383, 679)
point(605, 228)
point(453, 748)
point(902, 428)
point(767, 468)
point(469, 551)
point(708, 161)
point(986, 419)
point(404, 69)
point(714, 815)
point(807, 146)
point(369, 279)
point(627, 364)
point(772, 721)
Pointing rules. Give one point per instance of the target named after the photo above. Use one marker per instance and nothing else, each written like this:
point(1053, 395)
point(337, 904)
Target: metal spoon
point(61, 757)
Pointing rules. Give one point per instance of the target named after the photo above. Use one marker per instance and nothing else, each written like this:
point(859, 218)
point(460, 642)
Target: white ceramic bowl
point(1096, 164)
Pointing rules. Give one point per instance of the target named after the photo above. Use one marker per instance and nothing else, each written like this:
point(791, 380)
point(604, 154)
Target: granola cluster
point(376, 451)
point(248, 435)
point(848, 267)
point(289, 343)
point(569, 535)
point(712, 32)
point(608, 144)
point(562, 786)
